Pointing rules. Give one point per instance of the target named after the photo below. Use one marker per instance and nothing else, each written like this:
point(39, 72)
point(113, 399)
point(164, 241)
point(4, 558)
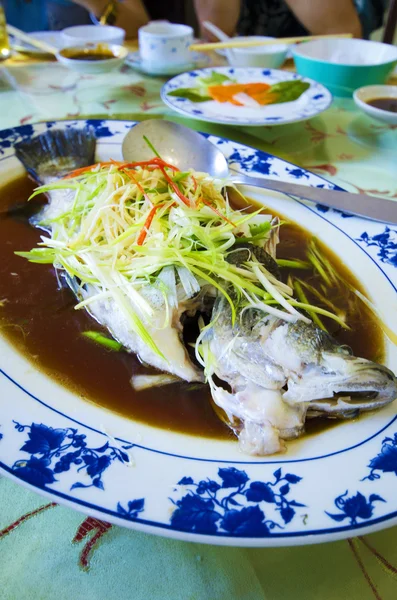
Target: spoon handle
point(362, 205)
point(218, 33)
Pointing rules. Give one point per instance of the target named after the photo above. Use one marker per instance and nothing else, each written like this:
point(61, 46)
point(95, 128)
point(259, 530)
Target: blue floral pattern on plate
point(211, 507)
point(354, 507)
point(9, 137)
point(133, 509)
point(385, 242)
point(54, 451)
point(315, 100)
point(386, 460)
point(60, 448)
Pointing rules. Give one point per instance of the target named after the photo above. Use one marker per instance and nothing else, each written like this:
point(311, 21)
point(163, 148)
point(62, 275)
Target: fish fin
point(57, 152)
point(274, 237)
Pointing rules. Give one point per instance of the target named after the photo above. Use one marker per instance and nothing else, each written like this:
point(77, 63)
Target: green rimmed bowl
point(343, 65)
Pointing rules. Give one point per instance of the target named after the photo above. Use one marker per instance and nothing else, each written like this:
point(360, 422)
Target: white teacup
point(164, 46)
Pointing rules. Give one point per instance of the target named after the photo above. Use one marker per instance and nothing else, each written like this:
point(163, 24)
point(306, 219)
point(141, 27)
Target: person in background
point(40, 15)
point(285, 18)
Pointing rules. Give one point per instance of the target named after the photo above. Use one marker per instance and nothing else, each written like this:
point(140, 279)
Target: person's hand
point(131, 14)
point(94, 6)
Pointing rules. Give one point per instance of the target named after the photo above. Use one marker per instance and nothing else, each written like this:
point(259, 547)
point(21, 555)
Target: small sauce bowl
point(371, 92)
point(93, 59)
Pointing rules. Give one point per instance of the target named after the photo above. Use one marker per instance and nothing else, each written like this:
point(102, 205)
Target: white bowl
point(257, 56)
point(370, 92)
point(83, 34)
point(92, 67)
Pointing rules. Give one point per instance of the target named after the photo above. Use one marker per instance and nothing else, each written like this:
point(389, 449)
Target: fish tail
point(57, 152)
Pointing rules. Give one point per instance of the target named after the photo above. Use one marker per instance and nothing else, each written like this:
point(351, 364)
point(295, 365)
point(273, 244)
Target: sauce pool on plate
point(38, 319)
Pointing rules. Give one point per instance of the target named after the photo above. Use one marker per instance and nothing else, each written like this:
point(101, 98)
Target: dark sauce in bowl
point(38, 318)
point(388, 104)
point(92, 55)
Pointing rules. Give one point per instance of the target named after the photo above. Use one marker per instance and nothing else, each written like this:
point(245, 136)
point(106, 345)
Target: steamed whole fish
point(49, 157)
point(279, 373)
point(143, 245)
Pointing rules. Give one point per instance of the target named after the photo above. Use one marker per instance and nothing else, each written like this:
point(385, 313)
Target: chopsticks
point(251, 43)
point(24, 37)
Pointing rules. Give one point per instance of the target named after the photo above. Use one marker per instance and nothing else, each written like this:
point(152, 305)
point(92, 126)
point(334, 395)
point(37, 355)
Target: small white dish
point(54, 38)
point(197, 60)
point(82, 34)
point(93, 67)
point(164, 47)
point(257, 56)
point(370, 92)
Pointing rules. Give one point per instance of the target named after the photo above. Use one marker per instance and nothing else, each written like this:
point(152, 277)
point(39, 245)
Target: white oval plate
point(336, 484)
point(315, 100)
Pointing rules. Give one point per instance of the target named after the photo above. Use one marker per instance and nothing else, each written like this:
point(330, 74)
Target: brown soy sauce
point(92, 55)
point(388, 104)
point(38, 318)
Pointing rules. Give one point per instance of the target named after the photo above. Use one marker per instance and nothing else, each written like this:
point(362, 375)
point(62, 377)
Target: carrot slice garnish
point(216, 211)
point(226, 93)
point(144, 231)
point(176, 188)
point(152, 162)
point(155, 162)
point(134, 180)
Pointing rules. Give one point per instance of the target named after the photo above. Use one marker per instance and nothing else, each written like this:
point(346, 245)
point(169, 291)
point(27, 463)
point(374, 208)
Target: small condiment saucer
point(199, 61)
point(54, 38)
point(364, 95)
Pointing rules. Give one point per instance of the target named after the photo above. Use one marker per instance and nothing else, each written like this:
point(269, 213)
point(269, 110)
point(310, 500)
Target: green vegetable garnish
point(293, 264)
point(215, 79)
point(284, 91)
point(302, 297)
point(149, 235)
point(101, 339)
point(194, 94)
point(152, 148)
point(287, 91)
point(199, 93)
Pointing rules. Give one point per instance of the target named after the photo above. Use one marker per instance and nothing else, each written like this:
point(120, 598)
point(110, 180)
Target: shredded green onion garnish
point(103, 340)
point(302, 297)
point(293, 264)
point(130, 228)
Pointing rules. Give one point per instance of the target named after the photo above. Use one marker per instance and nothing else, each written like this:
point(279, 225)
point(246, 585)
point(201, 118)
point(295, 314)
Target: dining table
point(49, 551)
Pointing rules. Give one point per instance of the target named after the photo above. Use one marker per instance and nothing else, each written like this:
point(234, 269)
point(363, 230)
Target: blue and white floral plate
point(339, 483)
point(315, 100)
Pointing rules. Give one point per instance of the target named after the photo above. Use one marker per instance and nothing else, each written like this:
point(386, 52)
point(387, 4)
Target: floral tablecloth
point(49, 551)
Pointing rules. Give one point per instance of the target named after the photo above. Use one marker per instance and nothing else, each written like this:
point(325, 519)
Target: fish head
point(328, 376)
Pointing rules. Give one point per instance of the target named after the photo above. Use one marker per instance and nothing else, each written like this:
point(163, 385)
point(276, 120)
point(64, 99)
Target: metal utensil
point(221, 35)
point(187, 149)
